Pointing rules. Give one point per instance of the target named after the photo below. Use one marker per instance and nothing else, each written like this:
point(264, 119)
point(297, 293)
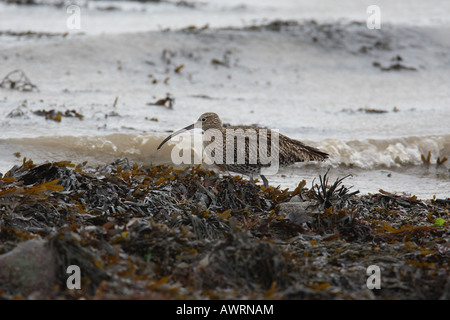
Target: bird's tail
point(309, 153)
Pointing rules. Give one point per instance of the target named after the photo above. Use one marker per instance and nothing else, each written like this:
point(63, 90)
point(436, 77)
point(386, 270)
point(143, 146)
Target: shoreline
point(398, 165)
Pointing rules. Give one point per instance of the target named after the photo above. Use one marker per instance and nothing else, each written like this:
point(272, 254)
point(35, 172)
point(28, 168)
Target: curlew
point(285, 151)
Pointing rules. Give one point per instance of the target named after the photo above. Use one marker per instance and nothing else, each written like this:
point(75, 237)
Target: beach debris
point(68, 250)
point(241, 260)
point(108, 8)
point(427, 159)
point(203, 96)
point(167, 102)
point(56, 115)
point(372, 110)
point(194, 28)
point(35, 34)
point(167, 56)
point(397, 66)
point(225, 62)
point(368, 110)
point(440, 161)
point(23, 2)
point(18, 112)
point(17, 80)
point(167, 233)
point(183, 3)
point(178, 69)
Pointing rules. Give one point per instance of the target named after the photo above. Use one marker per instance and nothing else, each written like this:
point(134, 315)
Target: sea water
point(376, 100)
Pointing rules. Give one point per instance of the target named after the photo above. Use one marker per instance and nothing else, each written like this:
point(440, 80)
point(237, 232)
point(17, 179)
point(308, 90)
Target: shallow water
point(316, 76)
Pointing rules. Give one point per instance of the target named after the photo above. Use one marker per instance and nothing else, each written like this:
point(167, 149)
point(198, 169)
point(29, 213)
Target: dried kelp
point(17, 80)
point(164, 233)
point(56, 115)
point(397, 66)
point(68, 250)
point(167, 102)
point(243, 262)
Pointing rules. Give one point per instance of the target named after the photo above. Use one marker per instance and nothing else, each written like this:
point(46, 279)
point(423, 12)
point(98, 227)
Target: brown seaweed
point(18, 80)
point(164, 233)
point(56, 115)
point(168, 102)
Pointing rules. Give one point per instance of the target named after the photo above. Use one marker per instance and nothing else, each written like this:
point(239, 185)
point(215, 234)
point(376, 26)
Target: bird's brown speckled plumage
point(289, 150)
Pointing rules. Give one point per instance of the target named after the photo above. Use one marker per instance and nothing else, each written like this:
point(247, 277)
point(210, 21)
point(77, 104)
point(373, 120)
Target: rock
point(28, 268)
point(296, 212)
point(296, 198)
point(299, 218)
point(300, 206)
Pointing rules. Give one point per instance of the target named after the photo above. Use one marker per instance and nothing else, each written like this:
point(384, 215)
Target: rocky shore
point(161, 233)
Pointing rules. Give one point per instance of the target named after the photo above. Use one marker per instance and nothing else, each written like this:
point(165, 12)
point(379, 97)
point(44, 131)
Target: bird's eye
point(203, 119)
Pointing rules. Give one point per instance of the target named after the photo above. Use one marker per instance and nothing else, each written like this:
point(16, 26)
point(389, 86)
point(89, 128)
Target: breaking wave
point(142, 148)
point(390, 153)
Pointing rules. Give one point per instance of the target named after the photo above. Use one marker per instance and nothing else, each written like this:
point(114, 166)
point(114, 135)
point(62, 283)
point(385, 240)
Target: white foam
point(370, 154)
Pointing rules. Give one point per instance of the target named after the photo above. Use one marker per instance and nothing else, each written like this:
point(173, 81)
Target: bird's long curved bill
point(190, 127)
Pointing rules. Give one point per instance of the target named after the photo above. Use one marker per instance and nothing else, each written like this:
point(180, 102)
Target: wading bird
point(285, 151)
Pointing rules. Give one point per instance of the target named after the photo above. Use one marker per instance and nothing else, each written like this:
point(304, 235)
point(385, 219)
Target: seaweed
point(225, 62)
point(167, 102)
point(68, 250)
point(397, 66)
point(164, 233)
point(329, 196)
point(17, 80)
point(243, 262)
point(427, 160)
point(178, 69)
point(57, 115)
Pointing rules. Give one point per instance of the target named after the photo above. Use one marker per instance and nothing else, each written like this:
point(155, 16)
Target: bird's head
point(208, 120)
